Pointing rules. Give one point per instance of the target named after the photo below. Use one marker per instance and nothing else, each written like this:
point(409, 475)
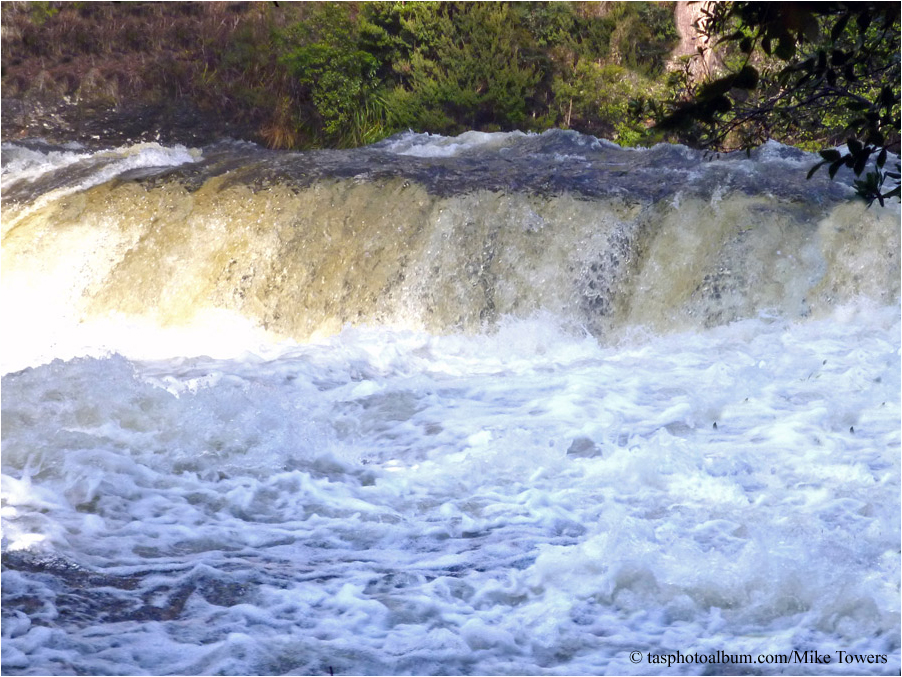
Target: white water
point(522, 501)
point(22, 164)
point(436, 145)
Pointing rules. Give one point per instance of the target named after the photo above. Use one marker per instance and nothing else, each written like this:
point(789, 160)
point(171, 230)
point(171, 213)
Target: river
point(491, 404)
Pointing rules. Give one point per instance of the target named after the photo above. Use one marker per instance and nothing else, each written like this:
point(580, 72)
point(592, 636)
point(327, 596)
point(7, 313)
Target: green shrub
point(367, 69)
point(454, 66)
point(339, 76)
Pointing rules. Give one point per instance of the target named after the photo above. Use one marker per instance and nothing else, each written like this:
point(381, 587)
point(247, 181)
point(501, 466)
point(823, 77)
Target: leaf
point(867, 189)
point(785, 49)
point(834, 168)
point(732, 37)
point(839, 27)
point(745, 45)
point(861, 162)
point(807, 65)
point(854, 146)
point(747, 78)
point(722, 104)
point(831, 155)
point(876, 138)
point(881, 159)
point(815, 168)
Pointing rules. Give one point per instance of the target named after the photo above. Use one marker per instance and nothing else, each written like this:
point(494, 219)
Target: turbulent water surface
point(492, 404)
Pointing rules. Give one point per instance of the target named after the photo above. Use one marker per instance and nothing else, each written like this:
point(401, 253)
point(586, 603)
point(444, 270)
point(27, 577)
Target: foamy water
point(524, 502)
point(24, 167)
point(437, 145)
point(193, 492)
point(24, 163)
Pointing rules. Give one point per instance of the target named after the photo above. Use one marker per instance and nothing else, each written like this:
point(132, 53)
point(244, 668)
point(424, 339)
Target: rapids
point(436, 235)
point(492, 404)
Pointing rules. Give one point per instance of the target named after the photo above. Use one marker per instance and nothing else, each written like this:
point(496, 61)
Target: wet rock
point(583, 447)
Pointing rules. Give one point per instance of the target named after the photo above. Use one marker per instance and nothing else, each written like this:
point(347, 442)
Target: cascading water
point(498, 403)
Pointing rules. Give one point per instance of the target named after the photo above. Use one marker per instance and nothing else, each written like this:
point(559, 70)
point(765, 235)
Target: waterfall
point(425, 234)
point(489, 404)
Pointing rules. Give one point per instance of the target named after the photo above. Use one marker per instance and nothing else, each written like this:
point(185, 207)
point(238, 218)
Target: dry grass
point(217, 56)
point(281, 131)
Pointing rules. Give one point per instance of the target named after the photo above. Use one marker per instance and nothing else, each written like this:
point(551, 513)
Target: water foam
point(397, 502)
point(437, 145)
point(204, 497)
point(21, 162)
point(25, 167)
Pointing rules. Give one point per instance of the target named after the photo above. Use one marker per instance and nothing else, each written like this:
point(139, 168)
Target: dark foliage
point(803, 72)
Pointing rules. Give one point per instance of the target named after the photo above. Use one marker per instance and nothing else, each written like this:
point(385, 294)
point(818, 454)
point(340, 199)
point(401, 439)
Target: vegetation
point(343, 74)
point(810, 74)
point(81, 58)
point(372, 69)
point(324, 74)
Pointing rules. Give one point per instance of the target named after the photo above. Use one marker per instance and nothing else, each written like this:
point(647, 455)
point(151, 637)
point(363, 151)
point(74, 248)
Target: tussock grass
point(218, 57)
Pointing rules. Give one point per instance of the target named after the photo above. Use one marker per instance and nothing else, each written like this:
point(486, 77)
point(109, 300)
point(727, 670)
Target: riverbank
point(100, 127)
point(319, 75)
point(133, 72)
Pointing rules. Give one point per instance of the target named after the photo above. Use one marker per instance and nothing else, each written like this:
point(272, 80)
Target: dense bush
point(370, 69)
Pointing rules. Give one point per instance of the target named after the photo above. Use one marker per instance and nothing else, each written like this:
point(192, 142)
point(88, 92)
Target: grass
point(216, 56)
